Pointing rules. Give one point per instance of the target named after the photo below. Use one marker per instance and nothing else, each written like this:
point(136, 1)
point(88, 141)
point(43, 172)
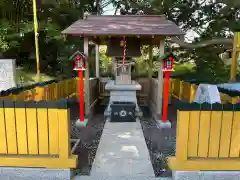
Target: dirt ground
point(160, 142)
point(90, 137)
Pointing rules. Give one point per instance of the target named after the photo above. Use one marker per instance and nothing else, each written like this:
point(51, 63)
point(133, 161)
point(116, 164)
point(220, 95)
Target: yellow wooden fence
point(35, 134)
point(207, 139)
point(49, 92)
point(186, 91)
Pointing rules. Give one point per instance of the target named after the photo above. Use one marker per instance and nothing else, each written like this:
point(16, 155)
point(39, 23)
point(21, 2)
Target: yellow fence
point(207, 138)
point(35, 134)
point(186, 91)
point(49, 92)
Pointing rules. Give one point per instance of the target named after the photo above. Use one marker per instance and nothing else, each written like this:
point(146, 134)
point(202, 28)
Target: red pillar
point(81, 95)
point(165, 96)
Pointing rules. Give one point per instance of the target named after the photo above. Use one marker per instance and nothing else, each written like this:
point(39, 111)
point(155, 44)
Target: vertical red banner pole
point(81, 95)
point(165, 97)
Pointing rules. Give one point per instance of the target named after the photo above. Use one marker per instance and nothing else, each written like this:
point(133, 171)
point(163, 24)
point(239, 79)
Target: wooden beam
point(86, 81)
point(204, 164)
point(97, 61)
point(150, 66)
point(160, 79)
point(38, 161)
point(145, 39)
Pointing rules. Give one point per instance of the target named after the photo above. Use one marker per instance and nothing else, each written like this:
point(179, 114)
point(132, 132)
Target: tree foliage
point(17, 36)
point(212, 20)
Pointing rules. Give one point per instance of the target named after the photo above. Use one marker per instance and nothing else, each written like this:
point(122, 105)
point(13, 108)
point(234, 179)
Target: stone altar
point(123, 91)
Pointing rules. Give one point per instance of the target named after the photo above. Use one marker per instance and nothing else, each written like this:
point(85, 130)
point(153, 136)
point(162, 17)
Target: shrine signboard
point(7, 74)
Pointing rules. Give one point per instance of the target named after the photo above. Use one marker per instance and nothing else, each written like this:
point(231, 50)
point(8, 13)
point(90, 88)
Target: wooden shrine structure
point(150, 30)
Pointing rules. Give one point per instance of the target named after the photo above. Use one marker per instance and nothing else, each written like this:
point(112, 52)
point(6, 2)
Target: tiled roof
point(123, 25)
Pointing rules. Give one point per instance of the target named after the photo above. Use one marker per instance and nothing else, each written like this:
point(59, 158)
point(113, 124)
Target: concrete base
point(80, 124)
point(160, 124)
point(206, 175)
point(166, 125)
point(9, 173)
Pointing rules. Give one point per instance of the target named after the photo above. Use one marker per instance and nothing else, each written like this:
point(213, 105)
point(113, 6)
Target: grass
point(26, 77)
point(181, 69)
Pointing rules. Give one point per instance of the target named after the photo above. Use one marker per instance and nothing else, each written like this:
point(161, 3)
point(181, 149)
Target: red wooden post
point(165, 96)
point(167, 68)
point(81, 95)
point(79, 65)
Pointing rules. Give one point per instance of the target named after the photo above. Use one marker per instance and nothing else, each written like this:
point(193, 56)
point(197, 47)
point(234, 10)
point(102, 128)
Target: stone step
point(120, 178)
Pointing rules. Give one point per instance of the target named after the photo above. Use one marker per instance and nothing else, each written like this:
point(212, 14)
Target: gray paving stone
point(122, 152)
point(11, 173)
point(206, 175)
point(118, 178)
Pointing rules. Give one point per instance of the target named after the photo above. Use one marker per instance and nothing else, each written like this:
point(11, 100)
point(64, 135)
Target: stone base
point(166, 125)
point(80, 124)
point(9, 173)
point(160, 124)
point(206, 175)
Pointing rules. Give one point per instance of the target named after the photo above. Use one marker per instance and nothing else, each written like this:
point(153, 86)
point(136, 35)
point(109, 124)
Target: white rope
point(124, 57)
point(120, 65)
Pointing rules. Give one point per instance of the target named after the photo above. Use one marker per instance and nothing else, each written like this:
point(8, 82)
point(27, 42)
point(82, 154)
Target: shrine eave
point(123, 25)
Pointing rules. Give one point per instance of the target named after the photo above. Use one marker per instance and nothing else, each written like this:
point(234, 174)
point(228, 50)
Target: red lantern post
point(79, 65)
point(167, 69)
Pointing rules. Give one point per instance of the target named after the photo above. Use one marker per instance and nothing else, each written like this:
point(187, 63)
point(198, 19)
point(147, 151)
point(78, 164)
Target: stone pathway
point(122, 154)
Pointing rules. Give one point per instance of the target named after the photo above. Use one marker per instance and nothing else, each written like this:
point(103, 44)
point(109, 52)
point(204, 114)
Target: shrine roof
point(138, 25)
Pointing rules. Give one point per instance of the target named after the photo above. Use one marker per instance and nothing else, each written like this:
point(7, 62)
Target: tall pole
point(236, 45)
point(86, 80)
point(165, 98)
point(81, 96)
point(160, 80)
point(36, 38)
point(97, 47)
point(150, 66)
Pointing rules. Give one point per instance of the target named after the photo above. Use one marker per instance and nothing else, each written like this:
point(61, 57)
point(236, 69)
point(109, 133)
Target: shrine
point(124, 36)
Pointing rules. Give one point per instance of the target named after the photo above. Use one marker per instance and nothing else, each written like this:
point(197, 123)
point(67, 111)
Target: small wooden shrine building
point(151, 30)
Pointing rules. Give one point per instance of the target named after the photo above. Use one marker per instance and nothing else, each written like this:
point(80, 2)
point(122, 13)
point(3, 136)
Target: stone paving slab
point(119, 178)
point(122, 152)
point(206, 175)
point(12, 173)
